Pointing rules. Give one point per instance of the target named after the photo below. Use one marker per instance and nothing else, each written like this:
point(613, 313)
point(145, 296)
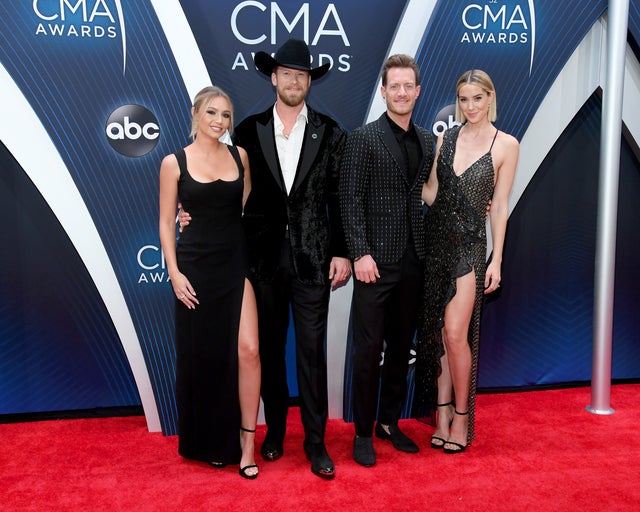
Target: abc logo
point(445, 119)
point(132, 130)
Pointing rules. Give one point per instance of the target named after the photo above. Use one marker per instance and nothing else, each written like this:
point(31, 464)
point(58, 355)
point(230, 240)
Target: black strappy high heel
point(459, 447)
point(437, 442)
point(243, 470)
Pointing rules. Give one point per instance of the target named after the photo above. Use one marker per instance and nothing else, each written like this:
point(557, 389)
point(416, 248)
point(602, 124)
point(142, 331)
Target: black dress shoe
point(363, 452)
point(321, 463)
point(399, 440)
point(271, 450)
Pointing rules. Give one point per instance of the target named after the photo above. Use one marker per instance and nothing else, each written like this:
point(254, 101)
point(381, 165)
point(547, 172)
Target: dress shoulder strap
point(236, 156)
point(181, 157)
point(494, 139)
point(451, 135)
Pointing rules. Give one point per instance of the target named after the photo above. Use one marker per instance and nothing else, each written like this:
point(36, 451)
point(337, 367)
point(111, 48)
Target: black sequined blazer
point(380, 208)
point(310, 214)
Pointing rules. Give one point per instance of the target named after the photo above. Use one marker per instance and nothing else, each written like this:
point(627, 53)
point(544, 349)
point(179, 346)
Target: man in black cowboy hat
point(296, 245)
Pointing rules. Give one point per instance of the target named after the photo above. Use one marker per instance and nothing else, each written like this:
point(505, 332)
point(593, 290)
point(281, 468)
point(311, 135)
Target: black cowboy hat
point(294, 54)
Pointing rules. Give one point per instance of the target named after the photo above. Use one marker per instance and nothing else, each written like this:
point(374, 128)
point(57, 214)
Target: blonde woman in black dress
point(217, 361)
point(475, 167)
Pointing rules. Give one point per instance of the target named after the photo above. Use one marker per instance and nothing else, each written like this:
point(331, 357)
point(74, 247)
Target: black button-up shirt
point(410, 146)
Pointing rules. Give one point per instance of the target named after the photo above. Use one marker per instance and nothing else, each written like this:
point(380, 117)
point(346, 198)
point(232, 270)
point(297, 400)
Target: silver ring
point(182, 296)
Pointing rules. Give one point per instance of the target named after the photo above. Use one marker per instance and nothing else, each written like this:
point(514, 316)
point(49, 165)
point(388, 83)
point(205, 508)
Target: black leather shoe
point(321, 463)
point(399, 440)
point(271, 450)
point(363, 452)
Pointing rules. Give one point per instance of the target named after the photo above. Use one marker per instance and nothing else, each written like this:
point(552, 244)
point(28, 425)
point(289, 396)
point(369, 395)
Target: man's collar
point(396, 127)
point(304, 114)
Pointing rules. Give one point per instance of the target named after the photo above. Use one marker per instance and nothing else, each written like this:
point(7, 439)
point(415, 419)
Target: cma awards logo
point(81, 20)
point(500, 24)
point(243, 25)
point(150, 260)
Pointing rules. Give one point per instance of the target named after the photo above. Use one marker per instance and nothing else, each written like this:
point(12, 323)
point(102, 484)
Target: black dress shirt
point(410, 146)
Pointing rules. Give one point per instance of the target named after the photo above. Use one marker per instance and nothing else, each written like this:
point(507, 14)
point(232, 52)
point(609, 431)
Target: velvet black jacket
point(310, 214)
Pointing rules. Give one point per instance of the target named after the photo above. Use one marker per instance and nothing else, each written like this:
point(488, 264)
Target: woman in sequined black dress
point(474, 167)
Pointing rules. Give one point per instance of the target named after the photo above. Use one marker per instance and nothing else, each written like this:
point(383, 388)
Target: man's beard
point(292, 99)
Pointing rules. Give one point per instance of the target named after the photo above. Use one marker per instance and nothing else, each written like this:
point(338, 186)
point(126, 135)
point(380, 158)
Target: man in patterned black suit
point(384, 166)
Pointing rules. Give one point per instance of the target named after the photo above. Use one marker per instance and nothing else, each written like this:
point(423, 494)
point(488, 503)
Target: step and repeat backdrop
point(93, 93)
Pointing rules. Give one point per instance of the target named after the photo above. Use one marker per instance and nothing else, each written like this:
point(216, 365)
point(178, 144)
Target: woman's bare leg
point(444, 410)
point(457, 317)
point(249, 376)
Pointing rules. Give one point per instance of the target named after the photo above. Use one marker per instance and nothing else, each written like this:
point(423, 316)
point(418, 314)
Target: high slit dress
point(211, 252)
point(456, 245)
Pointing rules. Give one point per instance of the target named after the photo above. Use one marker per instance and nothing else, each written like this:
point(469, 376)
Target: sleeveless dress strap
point(494, 139)
point(181, 157)
point(236, 156)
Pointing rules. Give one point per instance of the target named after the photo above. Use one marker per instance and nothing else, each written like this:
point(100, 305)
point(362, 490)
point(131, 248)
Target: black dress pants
point(310, 306)
point(384, 318)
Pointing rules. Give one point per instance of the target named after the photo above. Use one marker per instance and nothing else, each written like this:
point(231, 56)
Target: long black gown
point(211, 252)
point(456, 245)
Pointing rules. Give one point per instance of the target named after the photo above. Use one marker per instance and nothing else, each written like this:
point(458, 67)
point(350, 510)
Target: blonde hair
point(482, 80)
point(201, 100)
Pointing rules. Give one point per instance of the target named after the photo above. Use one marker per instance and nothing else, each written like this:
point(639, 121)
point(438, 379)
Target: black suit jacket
point(380, 208)
point(310, 213)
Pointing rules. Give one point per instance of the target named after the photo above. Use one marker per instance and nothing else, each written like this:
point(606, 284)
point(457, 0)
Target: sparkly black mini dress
point(211, 252)
point(456, 245)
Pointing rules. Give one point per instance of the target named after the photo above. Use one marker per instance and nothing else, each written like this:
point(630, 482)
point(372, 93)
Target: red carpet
point(535, 451)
